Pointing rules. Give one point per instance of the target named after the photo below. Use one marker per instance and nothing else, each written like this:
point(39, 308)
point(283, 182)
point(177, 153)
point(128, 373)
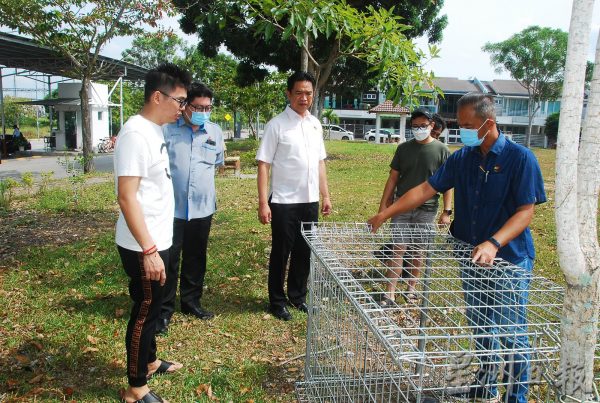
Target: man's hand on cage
point(375, 222)
point(484, 254)
point(264, 214)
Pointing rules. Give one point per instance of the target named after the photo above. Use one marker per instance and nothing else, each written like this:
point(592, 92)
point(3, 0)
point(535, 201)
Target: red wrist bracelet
point(149, 251)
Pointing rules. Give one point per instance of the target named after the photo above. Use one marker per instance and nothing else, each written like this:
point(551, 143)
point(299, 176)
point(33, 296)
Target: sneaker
point(476, 394)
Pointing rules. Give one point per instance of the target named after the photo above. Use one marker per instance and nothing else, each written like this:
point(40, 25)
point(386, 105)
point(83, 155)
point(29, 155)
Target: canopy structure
point(24, 53)
point(48, 66)
point(387, 108)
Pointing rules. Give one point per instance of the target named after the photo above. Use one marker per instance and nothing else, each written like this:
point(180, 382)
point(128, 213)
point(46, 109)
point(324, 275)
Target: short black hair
point(439, 122)
point(166, 77)
point(300, 76)
point(421, 112)
point(198, 90)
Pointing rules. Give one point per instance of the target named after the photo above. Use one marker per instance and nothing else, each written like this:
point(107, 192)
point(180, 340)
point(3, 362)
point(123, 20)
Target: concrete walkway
point(36, 164)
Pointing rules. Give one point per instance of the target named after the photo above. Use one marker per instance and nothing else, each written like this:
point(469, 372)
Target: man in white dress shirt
point(293, 153)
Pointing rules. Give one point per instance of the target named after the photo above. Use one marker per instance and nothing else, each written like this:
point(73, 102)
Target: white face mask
point(421, 133)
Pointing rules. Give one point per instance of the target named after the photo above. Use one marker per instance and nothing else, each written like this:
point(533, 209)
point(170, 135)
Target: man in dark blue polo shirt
point(496, 185)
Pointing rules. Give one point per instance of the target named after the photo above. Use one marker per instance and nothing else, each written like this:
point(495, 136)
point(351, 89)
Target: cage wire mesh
point(442, 345)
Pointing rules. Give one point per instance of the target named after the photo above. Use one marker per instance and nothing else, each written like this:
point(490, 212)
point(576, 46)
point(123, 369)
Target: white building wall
point(98, 103)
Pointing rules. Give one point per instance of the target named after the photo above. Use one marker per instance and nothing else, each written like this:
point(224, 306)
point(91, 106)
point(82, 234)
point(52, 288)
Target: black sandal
point(386, 302)
point(163, 368)
point(150, 397)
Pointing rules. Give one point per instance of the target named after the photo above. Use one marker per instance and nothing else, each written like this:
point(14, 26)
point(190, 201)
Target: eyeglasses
point(420, 127)
point(182, 102)
point(201, 108)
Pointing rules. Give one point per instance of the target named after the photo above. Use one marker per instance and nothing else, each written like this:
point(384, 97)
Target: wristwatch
point(449, 212)
point(494, 242)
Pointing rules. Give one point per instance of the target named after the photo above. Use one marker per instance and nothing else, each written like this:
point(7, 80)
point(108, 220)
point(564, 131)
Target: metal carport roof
point(24, 53)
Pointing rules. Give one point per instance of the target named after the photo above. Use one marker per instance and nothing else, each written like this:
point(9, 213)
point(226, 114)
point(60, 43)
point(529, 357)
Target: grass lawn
point(65, 303)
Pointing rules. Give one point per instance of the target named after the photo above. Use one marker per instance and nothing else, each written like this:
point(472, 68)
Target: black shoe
point(476, 394)
point(197, 311)
point(281, 312)
point(162, 325)
point(301, 306)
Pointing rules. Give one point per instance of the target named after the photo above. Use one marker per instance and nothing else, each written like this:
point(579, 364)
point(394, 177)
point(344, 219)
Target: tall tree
point(321, 35)
point(535, 57)
point(150, 51)
point(577, 189)
point(79, 30)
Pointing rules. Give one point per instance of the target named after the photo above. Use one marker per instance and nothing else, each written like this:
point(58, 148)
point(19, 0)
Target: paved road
point(14, 167)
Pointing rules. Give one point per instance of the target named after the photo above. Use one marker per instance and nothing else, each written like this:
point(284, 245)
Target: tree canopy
point(150, 51)
point(79, 30)
point(534, 57)
point(265, 32)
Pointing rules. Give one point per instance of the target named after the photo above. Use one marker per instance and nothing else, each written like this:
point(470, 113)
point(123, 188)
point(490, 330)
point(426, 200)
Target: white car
point(383, 135)
point(335, 132)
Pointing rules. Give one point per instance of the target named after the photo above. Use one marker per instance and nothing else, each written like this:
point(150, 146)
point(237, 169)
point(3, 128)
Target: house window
point(369, 97)
point(100, 115)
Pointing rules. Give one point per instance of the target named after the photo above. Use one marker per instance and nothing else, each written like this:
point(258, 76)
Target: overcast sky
point(471, 23)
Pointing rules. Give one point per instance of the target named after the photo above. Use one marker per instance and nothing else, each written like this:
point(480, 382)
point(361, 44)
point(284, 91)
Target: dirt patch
point(20, 230)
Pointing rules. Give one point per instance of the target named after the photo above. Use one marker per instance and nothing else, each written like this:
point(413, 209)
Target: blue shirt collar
point(181, 122)
point(497, 147)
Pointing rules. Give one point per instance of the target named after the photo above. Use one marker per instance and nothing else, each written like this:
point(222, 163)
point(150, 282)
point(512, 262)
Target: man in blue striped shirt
point(195, 147)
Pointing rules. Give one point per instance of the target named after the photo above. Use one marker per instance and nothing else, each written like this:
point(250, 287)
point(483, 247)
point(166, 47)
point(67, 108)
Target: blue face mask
point(199, 118)
point(469, 137)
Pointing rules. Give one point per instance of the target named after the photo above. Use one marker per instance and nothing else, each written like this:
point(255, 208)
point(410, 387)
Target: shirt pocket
point(208, 153)
point(495, 187)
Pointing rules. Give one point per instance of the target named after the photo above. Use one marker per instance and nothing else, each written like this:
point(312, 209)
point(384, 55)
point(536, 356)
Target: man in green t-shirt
point(413, 163)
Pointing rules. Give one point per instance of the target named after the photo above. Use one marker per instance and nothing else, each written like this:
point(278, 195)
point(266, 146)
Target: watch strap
point(494, 242)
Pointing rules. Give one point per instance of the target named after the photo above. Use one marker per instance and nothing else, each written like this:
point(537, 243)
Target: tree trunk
point(530, 115)
point(86, 125)
point(576, 205)
point(304, 54)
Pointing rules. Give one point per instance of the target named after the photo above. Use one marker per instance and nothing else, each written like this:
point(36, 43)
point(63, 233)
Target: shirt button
point(477, 192)
point(475, 208)
point(473, 238)
point(474, 223)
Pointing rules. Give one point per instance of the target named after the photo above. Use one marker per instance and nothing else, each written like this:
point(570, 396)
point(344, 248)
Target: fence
point(430, 349)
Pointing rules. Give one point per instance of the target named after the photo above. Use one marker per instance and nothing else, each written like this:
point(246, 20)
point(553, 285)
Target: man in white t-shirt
point(144, 229)
point(292, 150)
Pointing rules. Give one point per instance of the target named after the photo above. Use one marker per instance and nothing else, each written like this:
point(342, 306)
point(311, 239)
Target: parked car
point(336, 132)
point(384, 133)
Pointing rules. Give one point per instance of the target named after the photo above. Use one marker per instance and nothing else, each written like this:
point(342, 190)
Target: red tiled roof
point(388, 107)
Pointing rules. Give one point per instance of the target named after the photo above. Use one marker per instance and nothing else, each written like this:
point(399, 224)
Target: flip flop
point(163, 368)
point(386, 302)
point(150, 397)
point(410, 297)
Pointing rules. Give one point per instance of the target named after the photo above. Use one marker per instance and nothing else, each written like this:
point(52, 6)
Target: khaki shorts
point(415, 228)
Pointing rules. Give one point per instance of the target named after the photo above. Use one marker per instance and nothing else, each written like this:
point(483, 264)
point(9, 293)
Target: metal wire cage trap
point(459, 338)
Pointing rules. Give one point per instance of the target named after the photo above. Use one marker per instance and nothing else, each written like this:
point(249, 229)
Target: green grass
point(65, 304)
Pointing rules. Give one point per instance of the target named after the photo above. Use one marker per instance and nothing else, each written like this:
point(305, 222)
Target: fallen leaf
point(90, 350)
point(11, 384)
point(68, 391)
point(36, 379)
point(119, 313)
point(92, 339)
point(37, 345)
point(205, 389)
point(233, 278)
point(23, 359)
